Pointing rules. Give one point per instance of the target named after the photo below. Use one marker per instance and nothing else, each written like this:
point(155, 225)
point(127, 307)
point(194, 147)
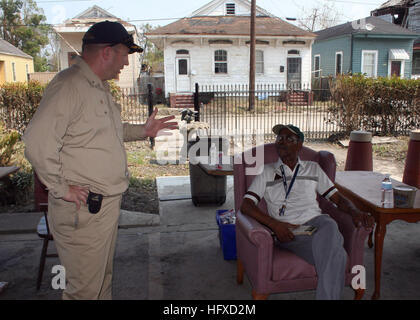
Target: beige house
point(71, 33)
point(15, 65)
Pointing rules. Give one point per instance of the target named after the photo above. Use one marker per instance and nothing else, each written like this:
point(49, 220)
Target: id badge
point(282, 209)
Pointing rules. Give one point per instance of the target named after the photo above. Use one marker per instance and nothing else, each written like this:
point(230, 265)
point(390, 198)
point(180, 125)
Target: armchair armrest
point(354, 237)
point(254, 232)
point(327, 163)
point(254, 248)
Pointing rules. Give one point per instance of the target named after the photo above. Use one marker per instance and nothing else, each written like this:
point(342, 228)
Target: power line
point(53, 1)
point(52, 25)
point(356, 2)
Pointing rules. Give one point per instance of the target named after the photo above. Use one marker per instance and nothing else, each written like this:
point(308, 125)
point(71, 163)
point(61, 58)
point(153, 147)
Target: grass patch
point(397, 150)
point(140, 156)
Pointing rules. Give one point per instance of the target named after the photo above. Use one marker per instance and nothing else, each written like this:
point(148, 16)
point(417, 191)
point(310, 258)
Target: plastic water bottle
point(220, 161)
point(386, 190)
point(213, 154)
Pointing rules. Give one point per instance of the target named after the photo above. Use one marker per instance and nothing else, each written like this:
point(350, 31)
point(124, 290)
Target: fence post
point(150, 103)
point(196, 103)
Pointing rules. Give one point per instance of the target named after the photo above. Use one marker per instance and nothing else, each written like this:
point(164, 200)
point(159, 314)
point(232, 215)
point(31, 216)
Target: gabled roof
point(9, 49)
point(92, 15)
point(95, 12)
point(230, 26)
point(215, 3)
point(380, 27)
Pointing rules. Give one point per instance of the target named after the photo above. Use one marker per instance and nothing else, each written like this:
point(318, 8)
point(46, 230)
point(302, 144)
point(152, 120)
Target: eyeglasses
point(288, 139)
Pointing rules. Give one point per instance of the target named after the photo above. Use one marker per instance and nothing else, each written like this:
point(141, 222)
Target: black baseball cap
point(278, 127)
point(112, 33)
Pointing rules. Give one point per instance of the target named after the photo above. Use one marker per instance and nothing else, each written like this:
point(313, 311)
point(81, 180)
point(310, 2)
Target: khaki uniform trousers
point(85, 244)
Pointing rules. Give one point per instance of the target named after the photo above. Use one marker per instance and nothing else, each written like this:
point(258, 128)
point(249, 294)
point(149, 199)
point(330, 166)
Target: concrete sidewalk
point(178, 256)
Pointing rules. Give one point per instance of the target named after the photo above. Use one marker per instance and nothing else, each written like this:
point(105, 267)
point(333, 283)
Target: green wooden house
point(371, 46)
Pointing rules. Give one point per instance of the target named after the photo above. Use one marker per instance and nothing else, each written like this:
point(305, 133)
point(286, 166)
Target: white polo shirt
point(301, 204)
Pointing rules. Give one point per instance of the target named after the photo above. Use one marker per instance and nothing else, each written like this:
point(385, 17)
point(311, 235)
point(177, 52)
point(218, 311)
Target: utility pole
point(252, 58)
point(314, 19)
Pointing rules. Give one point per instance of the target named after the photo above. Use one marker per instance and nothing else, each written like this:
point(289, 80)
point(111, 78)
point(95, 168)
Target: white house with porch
point(212, 46)
point(71, 34)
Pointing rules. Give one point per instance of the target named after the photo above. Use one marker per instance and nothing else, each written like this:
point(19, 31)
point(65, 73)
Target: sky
point(162, 12)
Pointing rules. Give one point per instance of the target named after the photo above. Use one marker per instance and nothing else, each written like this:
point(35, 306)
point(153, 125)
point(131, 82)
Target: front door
point(183, 82)
point(396, 68)
point(294, 67)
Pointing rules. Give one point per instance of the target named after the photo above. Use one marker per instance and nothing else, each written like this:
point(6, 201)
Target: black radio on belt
point(94, 202)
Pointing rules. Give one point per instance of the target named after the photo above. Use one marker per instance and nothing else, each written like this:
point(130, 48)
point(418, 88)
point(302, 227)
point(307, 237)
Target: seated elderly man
point(290, 187)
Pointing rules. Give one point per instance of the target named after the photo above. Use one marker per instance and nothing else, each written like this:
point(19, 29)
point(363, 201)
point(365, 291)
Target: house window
point(182, 66)
point(220, 61)
point(370, 63)
point(220, 41)
point(317, 63)
point(259, 61)
point(293, 52)
point(14, 71)
point(182, 51)
point(230, 9)
point(338, 63)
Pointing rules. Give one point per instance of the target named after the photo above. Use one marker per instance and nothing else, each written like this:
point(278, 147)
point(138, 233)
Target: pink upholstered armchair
point(270, 269)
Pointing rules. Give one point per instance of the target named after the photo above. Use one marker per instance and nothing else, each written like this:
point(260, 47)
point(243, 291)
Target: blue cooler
point(227, 237)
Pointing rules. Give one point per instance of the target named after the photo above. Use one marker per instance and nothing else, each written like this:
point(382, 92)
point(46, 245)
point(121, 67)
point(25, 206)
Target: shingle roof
point(8, 48)
point(231, 25)
point(381, 27)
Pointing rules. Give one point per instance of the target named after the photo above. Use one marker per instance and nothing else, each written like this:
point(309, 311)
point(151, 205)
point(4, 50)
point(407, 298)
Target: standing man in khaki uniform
point(75, 143)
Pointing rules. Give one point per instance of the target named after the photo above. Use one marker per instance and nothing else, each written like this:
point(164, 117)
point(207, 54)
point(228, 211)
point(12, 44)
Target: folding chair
point(43, 230)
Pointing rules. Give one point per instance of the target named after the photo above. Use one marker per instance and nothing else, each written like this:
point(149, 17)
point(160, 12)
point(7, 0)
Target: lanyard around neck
point(287, 190)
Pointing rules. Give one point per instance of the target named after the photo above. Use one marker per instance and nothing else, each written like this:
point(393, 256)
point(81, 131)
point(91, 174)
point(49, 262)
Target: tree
point(153, 56)
point(22, 24)
point(10, 19)
point(319, 17)
point(52, 52)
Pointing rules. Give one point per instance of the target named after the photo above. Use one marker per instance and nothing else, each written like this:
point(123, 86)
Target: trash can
point(359, 153)
point(412, 163)
point(207, 189)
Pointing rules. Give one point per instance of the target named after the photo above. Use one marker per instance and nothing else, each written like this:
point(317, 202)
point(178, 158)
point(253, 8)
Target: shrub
point(8, 141)
point(22, 183)
point(18, 103)
point(383, 105)
point(17, 189)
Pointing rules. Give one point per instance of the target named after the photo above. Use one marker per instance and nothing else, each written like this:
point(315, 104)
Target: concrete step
point(182, 101)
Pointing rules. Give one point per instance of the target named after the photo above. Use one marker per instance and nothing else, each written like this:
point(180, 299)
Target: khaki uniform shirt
point(76, 135)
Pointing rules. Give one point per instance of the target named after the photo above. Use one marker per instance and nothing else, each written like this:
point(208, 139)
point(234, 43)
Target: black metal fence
point(227, 110)
point(135, 105)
